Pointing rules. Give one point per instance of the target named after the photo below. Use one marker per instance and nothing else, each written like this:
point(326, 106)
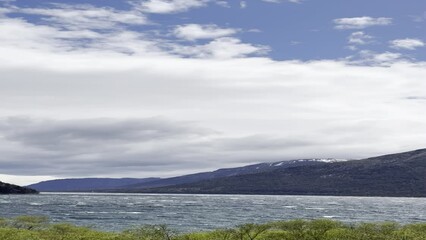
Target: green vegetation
point(38, 228)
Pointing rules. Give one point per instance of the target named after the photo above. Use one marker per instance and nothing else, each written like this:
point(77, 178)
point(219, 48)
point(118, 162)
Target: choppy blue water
point(203, 212)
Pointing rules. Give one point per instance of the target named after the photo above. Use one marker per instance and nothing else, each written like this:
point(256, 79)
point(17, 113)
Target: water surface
point(203, 212)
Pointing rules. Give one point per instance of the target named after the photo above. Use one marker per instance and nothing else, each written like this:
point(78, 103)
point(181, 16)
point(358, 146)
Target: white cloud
point(379, 59)
point(359, 38)
point(279, 1)
point(221, 48)
point(361, 22)
point(3, 11)
point(300, 110)
point(407, 43)
point(195, 31)
point(169, 6)
point(84, 16)
point(69, 27)
point(224, 4)
point(254, 30)
point(352, 47)
point(17, 33)
point(55, 38)
point(243, 4)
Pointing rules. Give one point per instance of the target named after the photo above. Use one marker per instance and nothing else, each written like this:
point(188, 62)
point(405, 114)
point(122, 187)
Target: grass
point(39, 228)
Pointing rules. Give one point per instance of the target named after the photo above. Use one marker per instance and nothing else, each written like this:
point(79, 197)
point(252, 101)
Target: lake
point(183, 213)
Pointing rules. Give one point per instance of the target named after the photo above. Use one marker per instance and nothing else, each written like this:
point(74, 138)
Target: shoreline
point(216, 194)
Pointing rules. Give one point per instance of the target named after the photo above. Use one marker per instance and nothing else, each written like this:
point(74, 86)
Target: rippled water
point(202, 212)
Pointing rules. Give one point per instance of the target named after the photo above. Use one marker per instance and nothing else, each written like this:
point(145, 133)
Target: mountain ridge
point(227, 172)
point(85, 184)
point(7, 188)
point(399, 175)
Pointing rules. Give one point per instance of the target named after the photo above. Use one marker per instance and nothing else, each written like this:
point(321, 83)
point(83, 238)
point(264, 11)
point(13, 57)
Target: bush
point(38, 228)
point(151, 232)
point(29, 222)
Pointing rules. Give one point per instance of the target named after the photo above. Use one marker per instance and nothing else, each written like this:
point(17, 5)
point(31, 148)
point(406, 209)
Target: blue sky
point(303, 30)
point(157, 88)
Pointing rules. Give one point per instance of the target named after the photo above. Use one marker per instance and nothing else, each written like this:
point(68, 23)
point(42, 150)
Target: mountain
point(225, 172)
point(402, 174)
point(136, 184)
point(86, 184)
point(6, 188)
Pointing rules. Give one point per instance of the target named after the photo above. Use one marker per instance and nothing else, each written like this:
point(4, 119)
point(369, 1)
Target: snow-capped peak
point(325, 160)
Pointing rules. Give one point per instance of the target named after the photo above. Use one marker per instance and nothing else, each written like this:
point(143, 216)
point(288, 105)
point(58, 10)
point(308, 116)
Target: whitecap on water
point(35, 204)
point(315, 208)
point(290, 206)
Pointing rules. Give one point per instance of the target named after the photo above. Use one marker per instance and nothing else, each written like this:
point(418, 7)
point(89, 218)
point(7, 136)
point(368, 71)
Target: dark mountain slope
point(86, 184)
point(402, 174)
point(6, 188)
point(225, 172)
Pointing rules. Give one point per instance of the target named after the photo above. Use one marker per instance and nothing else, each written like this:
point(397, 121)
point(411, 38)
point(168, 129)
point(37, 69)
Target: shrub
point(29, 222)
point(37, 228)
point(251, 231)
point(151, 232)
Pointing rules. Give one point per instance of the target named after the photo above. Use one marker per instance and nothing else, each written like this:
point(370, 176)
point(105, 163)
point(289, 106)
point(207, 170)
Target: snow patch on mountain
point(325, 160)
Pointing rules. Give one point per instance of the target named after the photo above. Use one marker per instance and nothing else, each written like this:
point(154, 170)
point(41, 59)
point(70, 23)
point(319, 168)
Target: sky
point(160, 88)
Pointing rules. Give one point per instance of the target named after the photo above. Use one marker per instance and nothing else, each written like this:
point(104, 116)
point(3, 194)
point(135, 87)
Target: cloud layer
point(213, 113)
point(96, 91)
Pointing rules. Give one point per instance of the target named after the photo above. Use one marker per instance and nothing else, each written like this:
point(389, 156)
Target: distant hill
point(225, 172)
point(6, 188)
point(135, 184)
point(402, 174)
point(86, 184)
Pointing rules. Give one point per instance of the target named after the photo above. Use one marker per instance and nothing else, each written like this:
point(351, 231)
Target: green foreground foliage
point(38, 228)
